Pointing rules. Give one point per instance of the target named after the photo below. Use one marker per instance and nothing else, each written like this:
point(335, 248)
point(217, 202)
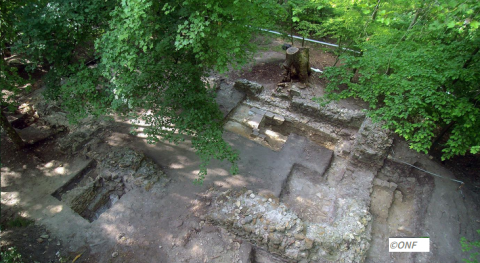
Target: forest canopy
point(416, 62)
point(125, 56)
point(417, 67)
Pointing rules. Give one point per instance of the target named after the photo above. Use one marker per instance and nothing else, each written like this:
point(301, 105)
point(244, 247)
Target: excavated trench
point(90, 195)
point(272, 129)
point(110, 175)
point(400, 198)
point(343, 198)
point(341, 195)
point(333, 226)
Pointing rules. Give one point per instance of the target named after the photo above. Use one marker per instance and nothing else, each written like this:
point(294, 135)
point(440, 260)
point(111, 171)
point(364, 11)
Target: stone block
point(295, 91)
point(228, 97)
point(257, 111)
point(252, 89)
point(382, 198)
point(282, 94)
point(278, 119)
point(269, 115)
point(372, 144)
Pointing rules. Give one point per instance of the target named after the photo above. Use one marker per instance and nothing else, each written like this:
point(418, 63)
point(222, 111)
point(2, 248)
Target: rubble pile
point(270, 224)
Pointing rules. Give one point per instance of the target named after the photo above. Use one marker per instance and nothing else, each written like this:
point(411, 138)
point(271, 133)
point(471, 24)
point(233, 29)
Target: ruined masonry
point(270, 224)
point(336, 199)
point(322, 213)
point(109, 175)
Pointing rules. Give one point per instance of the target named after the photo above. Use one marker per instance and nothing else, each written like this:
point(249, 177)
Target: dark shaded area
point(466, 169)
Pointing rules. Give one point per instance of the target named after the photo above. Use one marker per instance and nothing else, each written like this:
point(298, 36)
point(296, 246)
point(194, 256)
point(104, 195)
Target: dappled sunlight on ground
point(218, 172)
point(9, 177)
point(233, 182)
point(176, 166)
point(55, 209)
point(10, 198)
point(180, 163)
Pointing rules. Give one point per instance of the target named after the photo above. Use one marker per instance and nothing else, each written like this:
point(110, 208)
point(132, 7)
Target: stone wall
point(252, 89)
point(270, 224)
point(329, 113)
point(371, 145)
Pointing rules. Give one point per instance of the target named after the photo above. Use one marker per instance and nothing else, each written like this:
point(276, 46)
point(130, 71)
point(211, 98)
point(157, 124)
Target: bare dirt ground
point(167, 222)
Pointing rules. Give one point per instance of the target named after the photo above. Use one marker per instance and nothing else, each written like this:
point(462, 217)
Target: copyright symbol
point(393, 245)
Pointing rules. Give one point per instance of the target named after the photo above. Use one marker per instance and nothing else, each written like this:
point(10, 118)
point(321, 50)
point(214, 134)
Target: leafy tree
point(347, 22)
point(304, 16)
point(150, 57)
point(60, 35)
point(308, 16)
point(419, 73)
point(9, 78)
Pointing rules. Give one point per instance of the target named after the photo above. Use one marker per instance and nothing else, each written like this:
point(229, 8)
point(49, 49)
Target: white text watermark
point(409, 244)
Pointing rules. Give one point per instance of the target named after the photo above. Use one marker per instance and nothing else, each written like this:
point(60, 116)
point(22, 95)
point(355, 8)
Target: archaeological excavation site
point(315, 183)
point(259, 131)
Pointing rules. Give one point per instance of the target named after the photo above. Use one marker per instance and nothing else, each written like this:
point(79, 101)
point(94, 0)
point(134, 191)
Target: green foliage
point(468, 246)
point(19, 222)
point(418, 72)
point(10, 82)
point(151, 58)
point(347, 22)
point(308, 15)
point(304, 16)
point(11, 255)
point(60, 34)
point(9, 78)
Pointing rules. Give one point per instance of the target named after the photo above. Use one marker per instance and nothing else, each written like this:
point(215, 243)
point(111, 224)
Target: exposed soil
point(167, 223)
point(19, 229)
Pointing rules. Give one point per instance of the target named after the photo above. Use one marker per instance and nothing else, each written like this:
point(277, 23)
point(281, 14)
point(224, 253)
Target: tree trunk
point(415, 18)
point(12, 134)
point(375, 11)
point(355, 70)
point(291, 23)
point(440, 136)
point(297, 64)
point(374, 15)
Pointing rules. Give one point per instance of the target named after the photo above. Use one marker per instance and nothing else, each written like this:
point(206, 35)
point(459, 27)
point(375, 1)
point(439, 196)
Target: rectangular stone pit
point(88, 194)
point(97, 187)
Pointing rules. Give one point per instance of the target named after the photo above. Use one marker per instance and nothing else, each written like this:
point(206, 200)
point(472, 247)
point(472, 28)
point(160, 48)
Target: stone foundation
point(270, 224)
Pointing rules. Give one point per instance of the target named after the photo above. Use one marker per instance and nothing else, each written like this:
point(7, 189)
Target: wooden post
point(297, 64)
